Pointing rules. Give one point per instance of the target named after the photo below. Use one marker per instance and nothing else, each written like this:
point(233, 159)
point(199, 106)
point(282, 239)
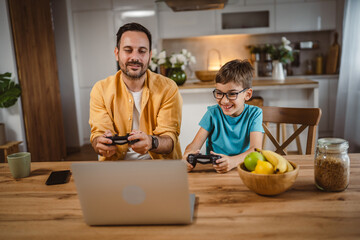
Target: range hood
point(195, 5)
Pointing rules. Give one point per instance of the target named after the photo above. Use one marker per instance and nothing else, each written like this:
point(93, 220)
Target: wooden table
point(226, 209)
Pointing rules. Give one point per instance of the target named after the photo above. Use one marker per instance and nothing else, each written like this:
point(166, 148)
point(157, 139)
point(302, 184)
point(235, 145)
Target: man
point(136, 101)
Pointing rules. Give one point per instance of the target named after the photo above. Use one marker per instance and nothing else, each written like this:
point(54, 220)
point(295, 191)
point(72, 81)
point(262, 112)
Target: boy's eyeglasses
point(230, 95)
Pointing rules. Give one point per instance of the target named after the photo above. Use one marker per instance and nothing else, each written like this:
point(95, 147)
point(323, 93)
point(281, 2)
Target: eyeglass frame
point(227, 96)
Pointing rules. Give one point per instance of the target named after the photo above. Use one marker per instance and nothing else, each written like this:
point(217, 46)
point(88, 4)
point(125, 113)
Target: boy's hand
point(224, 164)
point(189, 166)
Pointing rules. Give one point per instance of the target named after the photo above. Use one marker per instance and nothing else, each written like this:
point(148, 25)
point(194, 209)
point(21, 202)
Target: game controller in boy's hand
point(203, 159)
point(121, 140)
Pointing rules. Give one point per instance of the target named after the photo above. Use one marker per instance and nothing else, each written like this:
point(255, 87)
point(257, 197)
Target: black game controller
point(121, 140)
point(194, 158)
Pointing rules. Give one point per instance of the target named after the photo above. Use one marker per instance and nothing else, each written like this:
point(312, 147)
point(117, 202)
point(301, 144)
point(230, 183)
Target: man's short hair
point(238, 71)
point(132, 27)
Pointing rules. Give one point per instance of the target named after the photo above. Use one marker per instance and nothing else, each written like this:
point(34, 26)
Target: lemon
point(263, 167)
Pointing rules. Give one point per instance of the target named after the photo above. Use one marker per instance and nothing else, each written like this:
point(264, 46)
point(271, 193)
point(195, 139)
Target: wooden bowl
point(268, 184)
point(206, 76)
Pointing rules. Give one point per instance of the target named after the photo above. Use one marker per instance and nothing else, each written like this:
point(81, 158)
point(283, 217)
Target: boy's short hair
point(238, 71)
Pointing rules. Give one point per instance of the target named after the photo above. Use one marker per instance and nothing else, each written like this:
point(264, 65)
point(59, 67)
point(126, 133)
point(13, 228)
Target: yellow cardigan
point(111, 107)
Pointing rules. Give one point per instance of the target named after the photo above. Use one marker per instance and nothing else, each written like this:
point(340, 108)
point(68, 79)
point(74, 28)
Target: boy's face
point(232, 107)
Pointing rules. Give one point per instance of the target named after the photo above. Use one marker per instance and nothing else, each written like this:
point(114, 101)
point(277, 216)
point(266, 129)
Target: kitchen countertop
point(260, 84)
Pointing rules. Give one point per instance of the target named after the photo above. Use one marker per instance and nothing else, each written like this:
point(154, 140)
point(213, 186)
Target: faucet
point(213, 66)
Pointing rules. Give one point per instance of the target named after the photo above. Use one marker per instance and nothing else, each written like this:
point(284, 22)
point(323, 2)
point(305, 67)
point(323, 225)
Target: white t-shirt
point(131, 154)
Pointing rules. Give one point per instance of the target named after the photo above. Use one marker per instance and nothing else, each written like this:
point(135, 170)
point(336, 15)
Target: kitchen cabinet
point(94, 50)
point(328, 86)
point(249, 17)
point(236, 19)
point(305, 16)
point(186, 24)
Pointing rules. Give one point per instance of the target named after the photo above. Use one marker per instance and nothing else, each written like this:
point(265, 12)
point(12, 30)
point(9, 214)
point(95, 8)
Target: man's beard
point(134, 76)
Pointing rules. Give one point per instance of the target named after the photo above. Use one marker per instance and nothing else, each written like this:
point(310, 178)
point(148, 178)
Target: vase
point(178, 75)
point(278, 70)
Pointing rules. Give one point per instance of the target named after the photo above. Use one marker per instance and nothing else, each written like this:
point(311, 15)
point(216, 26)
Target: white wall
point(12, 117)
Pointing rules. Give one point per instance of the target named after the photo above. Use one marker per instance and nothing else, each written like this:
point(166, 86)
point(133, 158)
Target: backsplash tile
point(234, 46)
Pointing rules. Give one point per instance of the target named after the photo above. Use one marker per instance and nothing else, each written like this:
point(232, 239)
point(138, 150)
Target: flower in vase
point(182, 59)
point(158, 60)
point(283, 52)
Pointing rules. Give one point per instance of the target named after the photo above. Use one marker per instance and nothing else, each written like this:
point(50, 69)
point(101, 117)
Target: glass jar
point(332, 164)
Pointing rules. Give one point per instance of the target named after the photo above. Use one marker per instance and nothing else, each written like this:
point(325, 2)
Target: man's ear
point(248, 94)
point(116, 52)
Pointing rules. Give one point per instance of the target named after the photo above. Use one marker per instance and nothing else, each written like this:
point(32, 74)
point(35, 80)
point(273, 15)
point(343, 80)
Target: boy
point(232, 128)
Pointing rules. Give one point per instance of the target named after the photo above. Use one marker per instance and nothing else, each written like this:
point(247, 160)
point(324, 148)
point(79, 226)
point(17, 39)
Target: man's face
point(133, 54)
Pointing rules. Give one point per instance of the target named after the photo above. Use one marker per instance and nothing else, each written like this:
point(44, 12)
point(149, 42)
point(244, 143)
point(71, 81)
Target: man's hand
point(100, 147)
point(143, 145)
point(224, 164)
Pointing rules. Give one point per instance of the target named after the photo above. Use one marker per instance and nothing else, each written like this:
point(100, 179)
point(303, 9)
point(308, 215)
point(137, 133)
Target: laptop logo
point(133, 195)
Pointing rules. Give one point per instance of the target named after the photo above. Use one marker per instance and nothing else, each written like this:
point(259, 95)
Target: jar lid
point(332, 144)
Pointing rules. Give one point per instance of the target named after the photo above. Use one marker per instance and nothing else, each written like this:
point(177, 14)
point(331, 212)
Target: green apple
point(251, 159)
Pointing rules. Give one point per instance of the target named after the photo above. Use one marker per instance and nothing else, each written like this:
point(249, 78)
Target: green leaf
point(9, 91)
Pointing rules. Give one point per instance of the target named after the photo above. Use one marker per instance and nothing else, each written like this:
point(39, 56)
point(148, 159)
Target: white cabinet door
point(327, 102)
point(306, 16)
point(186, 24)
point(95, 42)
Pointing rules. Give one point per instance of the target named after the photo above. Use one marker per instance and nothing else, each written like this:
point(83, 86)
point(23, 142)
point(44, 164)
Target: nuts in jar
point(332, 164)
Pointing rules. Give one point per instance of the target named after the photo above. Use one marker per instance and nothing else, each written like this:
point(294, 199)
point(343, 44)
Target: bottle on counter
point(319, 64)
point(309, 67)
point(332, 164)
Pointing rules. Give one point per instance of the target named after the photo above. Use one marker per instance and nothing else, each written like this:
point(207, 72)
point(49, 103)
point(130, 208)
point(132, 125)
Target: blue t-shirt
point(231, 135)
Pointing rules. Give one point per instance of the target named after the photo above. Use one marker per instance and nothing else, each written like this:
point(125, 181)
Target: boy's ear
point(248, 94)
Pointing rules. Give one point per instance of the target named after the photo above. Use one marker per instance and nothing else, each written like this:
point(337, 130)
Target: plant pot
point(178, 75)
point(2, 134)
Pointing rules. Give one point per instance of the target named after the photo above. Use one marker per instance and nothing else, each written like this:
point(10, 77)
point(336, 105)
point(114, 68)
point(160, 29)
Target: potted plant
point(281, 54)
point(9, 93)
point(173, 66)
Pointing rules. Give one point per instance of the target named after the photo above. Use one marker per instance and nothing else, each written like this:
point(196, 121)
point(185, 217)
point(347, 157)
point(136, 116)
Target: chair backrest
point(306, 117)
point(256, 101)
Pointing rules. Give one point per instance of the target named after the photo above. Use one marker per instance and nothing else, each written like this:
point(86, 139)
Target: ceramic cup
point(19, 164)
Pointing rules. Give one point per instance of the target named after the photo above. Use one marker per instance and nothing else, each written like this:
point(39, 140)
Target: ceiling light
point(143, 13)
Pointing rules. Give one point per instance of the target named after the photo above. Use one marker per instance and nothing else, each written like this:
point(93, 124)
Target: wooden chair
point(256, 101)
point(306, 117)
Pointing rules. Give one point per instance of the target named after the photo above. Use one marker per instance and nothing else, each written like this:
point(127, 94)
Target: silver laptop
point(134, 192)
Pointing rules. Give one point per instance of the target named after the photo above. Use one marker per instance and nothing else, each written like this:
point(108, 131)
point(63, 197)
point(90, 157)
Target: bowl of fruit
point(267, 173)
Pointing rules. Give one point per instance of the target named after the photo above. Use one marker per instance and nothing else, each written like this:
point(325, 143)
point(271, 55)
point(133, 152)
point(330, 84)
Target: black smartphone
point(58, 177)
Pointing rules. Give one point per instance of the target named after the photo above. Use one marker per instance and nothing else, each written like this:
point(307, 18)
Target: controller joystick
point(121, 140)
point(203, 159)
